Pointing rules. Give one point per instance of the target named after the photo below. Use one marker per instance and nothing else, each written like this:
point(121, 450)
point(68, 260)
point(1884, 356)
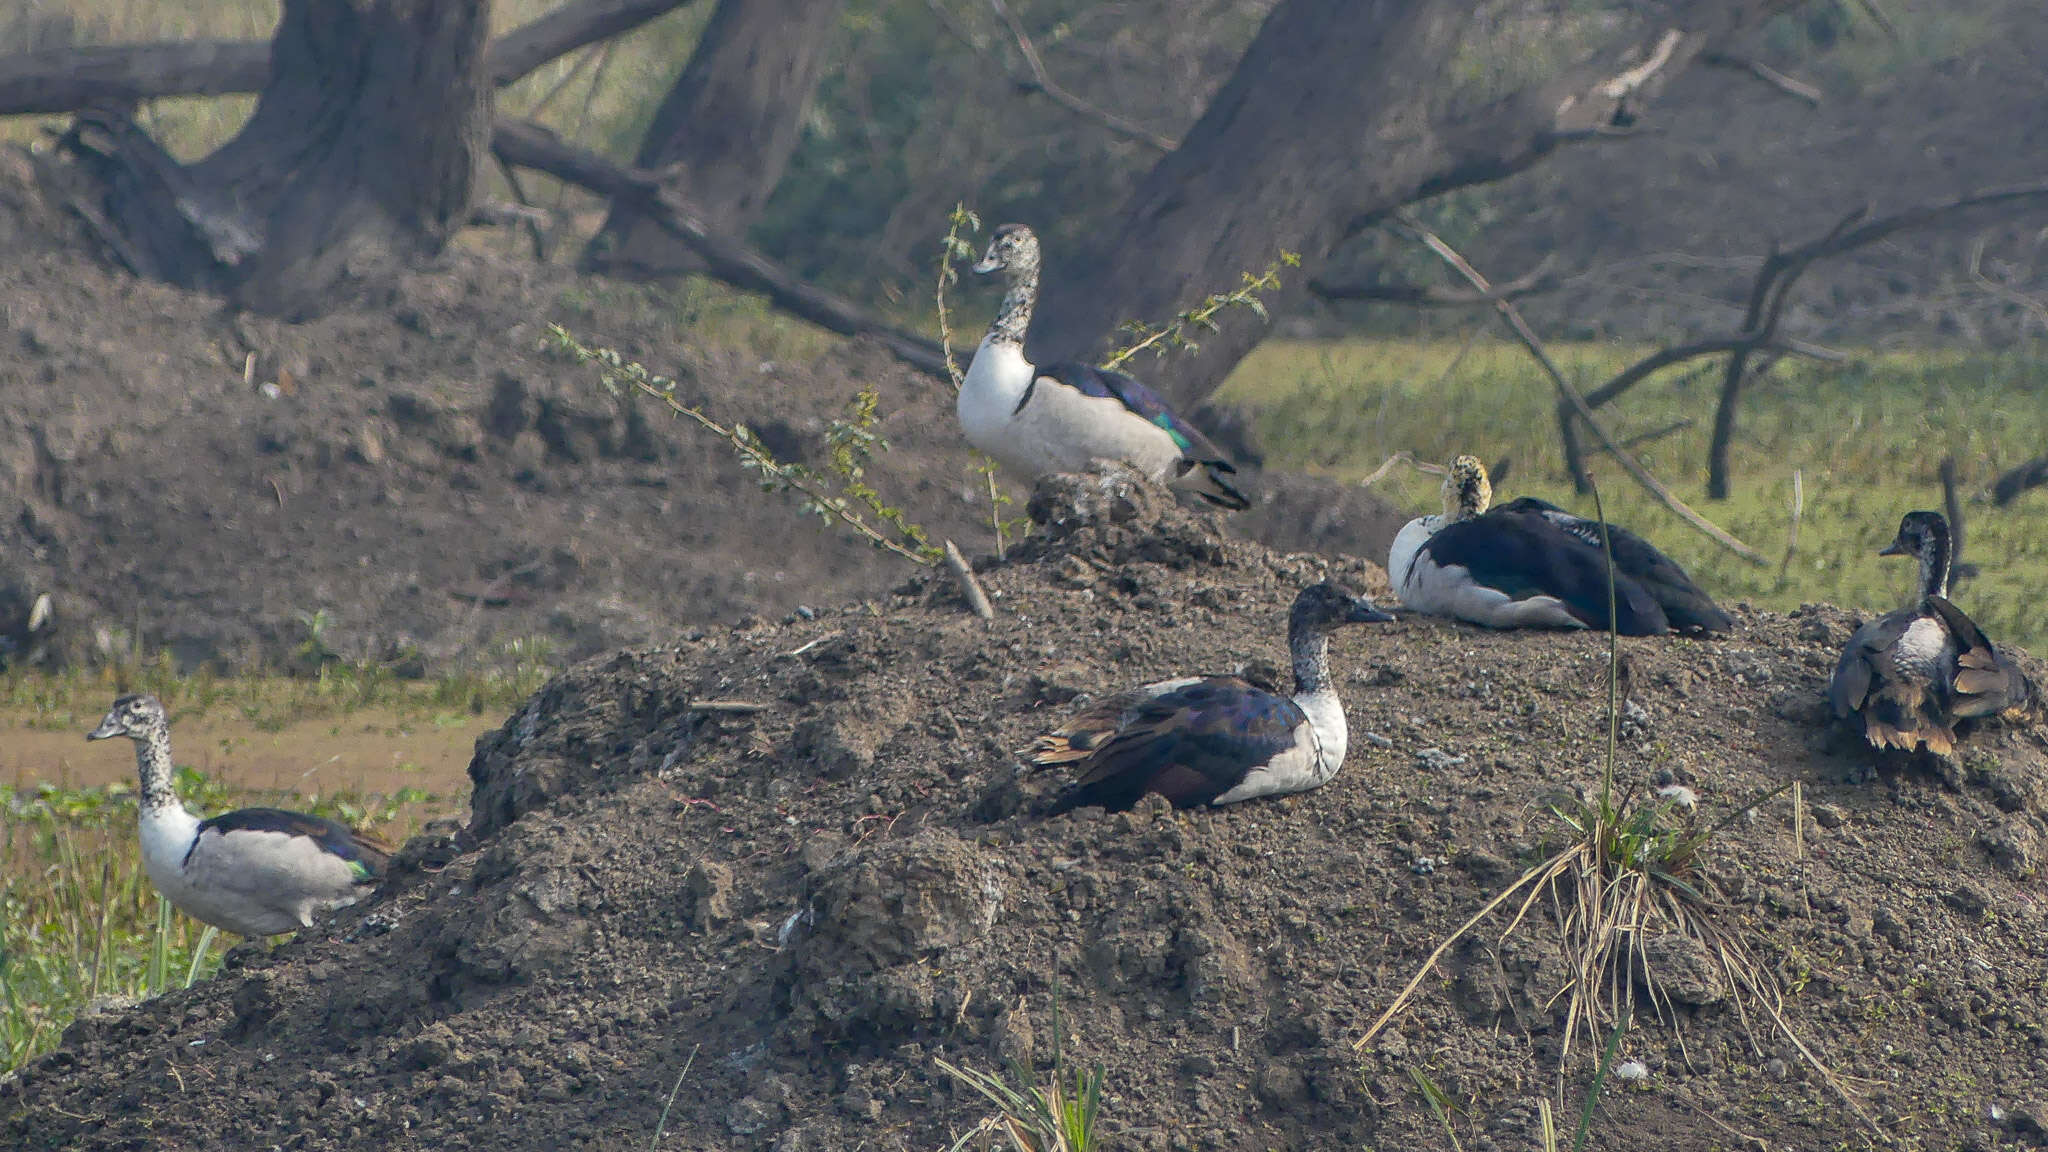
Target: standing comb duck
point(1064, 417)
point(256, 872)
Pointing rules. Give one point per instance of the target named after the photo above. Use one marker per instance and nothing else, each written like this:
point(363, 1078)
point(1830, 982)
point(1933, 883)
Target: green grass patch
point(77, 697)
point(80, 922)
point(1865, 437)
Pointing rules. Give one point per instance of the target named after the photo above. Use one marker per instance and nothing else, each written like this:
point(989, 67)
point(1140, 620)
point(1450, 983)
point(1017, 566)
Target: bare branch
point(1877, 15)
point(566, 29)
point(1038, 78)
point(1782, 269)
point(1042, 81)
point(1656, 362)
point(1797, 89)
point(530, 145)
point(1952, 507)
point(1386, 466)
point(1528, 337)
point(2003, 291)
point(1537, 280)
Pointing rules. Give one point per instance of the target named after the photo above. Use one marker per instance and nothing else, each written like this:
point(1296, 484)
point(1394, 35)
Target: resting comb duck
point(1216, 739)
point(1919, 676)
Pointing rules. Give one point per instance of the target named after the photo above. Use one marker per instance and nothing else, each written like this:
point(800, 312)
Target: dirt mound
point(416, 472)
point(803, 862)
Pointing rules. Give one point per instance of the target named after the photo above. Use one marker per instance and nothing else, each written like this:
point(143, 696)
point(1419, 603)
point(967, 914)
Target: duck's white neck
point(1316, 695)
point(154, 768)
point(1310, 648)
point(1934, 565)
point(168, 830)
point(1013, 318)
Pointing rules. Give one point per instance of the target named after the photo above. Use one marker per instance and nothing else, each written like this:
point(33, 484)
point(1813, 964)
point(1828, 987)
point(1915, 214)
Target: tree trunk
point(67, 79)
point(359, 160)
point(726, 129)
point(1337, 115)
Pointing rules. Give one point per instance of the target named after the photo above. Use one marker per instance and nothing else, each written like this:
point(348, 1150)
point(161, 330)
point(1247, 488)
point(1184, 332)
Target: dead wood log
point(529, 145)
point(60, 80)
point(1780, 272)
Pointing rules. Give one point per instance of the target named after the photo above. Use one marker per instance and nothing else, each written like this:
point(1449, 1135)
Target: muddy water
point(367, 752)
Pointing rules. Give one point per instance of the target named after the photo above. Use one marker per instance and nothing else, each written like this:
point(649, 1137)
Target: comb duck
point(1511, 569)
point(1216, 739)
point(1063, 417)
point(256, 872)
point(1916, 676)
point(1687, 607)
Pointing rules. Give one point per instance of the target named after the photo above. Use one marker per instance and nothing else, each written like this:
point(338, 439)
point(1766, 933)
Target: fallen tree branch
point(55, 80)
point(1797, 89)
point(1536, 280)
point(529, 145)
point(1529, 340)
point(1780, 272)
point(1657, 361)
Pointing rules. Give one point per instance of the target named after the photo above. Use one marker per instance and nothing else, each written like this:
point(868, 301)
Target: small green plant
point(1063, 1115)
point(1440, 1104)
point(955, 249)
point(839, 495)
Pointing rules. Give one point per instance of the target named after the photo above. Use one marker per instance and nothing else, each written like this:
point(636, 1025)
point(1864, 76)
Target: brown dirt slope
point(426, 454)
point(808, 905)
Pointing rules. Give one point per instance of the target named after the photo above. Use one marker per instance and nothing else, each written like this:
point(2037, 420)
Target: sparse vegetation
point(75, 697)
point(839, 494)
point(1626, 878)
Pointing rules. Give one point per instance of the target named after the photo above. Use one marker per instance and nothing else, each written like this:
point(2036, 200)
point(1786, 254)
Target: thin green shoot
point(1440, 1104)
point(1176, 334)
point(661, 1125)
point(1599, 1084)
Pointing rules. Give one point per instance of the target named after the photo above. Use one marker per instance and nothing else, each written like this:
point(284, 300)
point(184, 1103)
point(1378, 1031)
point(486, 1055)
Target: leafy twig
point(952, 250)
point(849, 443)
point(1202, 317)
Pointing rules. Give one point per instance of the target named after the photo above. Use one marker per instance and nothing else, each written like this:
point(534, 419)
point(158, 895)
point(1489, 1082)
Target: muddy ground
point(796, 912)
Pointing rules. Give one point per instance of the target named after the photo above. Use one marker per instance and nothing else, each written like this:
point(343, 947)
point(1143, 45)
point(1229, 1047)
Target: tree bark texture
point(1336, 115)
point(726, 130)
point(359, 160)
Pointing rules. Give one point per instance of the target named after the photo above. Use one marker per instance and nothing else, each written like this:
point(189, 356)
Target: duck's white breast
point(1925, 650)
